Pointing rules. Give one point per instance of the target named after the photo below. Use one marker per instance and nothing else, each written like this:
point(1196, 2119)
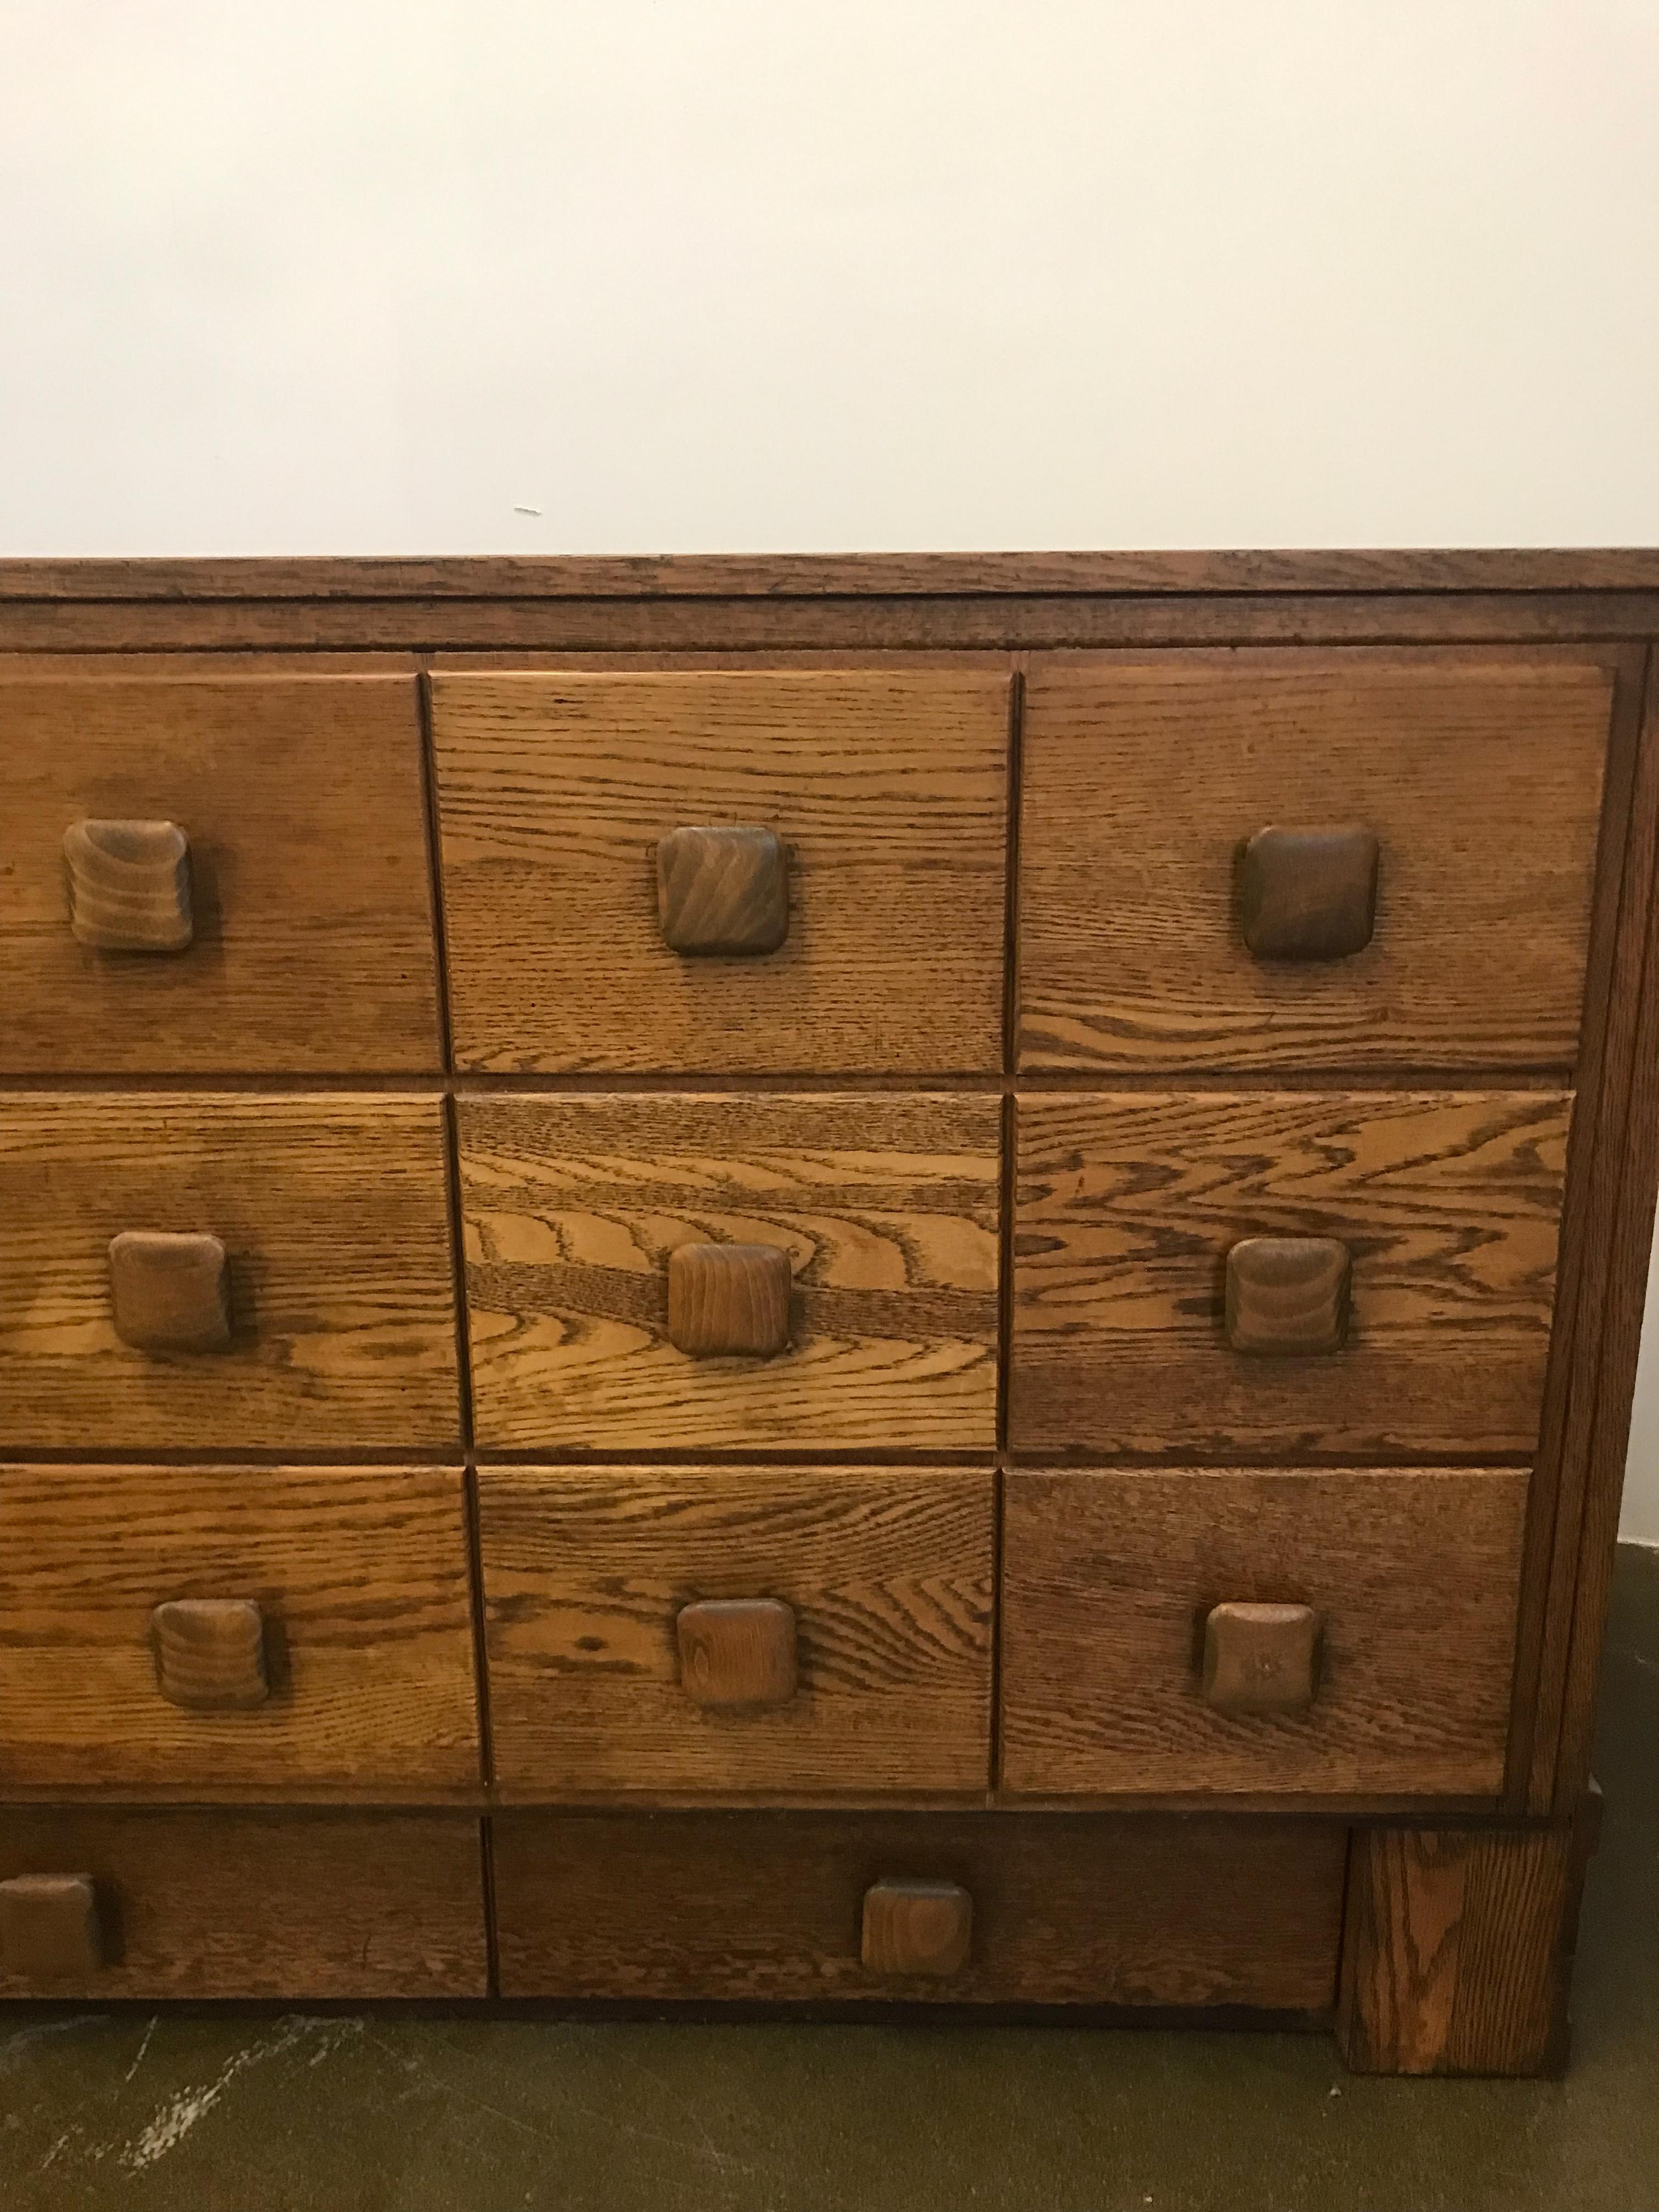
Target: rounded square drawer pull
point(1288, 1295)
point(50, 1929)
point(723, 890)
point(736, 1651)
point(170, 1293)
point(129, 884)
point(210, 1653)
point(1261, 1658)
point(917, 1928)
point(1308, 894)
point(725, 1300)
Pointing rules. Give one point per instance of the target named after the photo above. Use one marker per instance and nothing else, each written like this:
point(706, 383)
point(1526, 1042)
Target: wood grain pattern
point(1127, 1206)
point(1455, 1948)
point(1108, 1579)
point(887, 1206)
point(887, 786)
point(301, 797)
point(916, 1928)
point(360, 1573)
point(723, 890)
point(170, 1291)
point(129, 886)
point(1067, 1910)
point(888, 1573)
point(1481, 778)
point(263, 1906)
point(332, 1210)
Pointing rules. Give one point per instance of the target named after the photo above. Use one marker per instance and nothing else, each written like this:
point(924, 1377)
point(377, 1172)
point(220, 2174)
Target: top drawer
point(297, 925)
point(1445, 928)
point(861, 914)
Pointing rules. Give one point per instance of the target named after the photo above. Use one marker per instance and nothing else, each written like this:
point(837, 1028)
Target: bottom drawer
point(216, 1905)
point(1022, 1909)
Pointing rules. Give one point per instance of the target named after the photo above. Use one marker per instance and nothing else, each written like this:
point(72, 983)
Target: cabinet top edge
point(853, 575)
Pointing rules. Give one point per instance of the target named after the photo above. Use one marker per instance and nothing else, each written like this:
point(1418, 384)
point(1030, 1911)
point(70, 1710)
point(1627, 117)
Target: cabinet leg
point(1457, 1948)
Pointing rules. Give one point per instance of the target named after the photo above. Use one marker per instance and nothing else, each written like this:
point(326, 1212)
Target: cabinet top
point(858, 575)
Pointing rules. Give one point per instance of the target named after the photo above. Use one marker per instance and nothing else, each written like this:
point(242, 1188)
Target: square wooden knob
point(723, 890)
point(50, 1931)
point(738, 1652)
point(170, 1293)
point(924, 1927)
point(725, 1300)
point(129, 886)
point(1288, 1295)
point(211, 1654)
point(1261, 1658)
point(1308, 894)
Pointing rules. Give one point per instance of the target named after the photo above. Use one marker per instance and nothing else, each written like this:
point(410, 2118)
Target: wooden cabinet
point(843, 1283)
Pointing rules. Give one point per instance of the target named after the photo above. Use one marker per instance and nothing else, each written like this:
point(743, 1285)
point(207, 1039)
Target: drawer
point(1059, 1910)
point(312, 1311)
point(316, 1636)
point(131, 1905)
point(1157, 1637)
point(863, 912)
point(879, 1335)
point(1289, 1275)
point(774, 1631)
point(298, 913)
point(1446, 931)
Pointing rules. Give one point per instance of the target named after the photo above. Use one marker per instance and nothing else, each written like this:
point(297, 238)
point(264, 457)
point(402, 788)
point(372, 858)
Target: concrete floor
point(400, 2115)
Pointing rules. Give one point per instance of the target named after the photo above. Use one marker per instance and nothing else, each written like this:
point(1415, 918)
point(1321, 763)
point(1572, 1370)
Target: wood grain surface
point(889, 1573)
point(1143, 780)
point(1108, 1579)
point(332, 1213)
point(888, 787)
point(301, 796)
point(1456, 1950)
point(1067, 1909)
point(360, 1574)
point(265, 1906)
point(887, 1205)
point(1127, 1206)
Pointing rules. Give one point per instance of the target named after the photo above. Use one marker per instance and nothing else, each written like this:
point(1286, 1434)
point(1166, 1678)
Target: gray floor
point(385, 2115)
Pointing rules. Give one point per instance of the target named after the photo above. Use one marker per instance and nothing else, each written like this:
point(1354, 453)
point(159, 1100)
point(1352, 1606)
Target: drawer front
point(243, 1904)
point(1059, 1910)
point(1117, 1679)
point(747, 1631)
point(1438, 1211)
point(354, 1676)
point(867, 915)
point(886, 1208)
point(1478, 778)
point(329, 1323)
point(306, 902)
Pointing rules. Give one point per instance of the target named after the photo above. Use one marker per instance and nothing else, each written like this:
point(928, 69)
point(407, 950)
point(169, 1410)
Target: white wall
point(372, 276)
